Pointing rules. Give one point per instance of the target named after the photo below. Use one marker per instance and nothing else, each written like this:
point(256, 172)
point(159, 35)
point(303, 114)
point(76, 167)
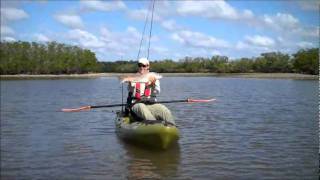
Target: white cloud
point(107, 35)
point(216, 52)
point(126, 43)
point(280, 39)
point(259, 41)
point(199, 40)
point(12, 14)
point(176, 37)
point(170, 25)
point(102, 5)
point(219, 9)
point(159, 50)
point(128, 38)
point(7, 38)
point(258, 44)
point(133, 33)
point(6, 30)
point(247, 14)
point(85, 39)
point(120, 43)
point(138, 14)
point(42, 38)
point(308, 32)
point(244, 47)
point(281, 21)
point(241, 45)
point(211, 9)
point(162, 10)
point(69, 20)
point(141, 15)
point(304, 44)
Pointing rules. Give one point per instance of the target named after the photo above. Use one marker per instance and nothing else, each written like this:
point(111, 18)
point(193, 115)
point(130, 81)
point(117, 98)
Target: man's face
point(143, 68)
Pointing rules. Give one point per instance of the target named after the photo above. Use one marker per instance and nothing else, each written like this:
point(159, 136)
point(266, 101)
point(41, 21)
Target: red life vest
point(141, 89)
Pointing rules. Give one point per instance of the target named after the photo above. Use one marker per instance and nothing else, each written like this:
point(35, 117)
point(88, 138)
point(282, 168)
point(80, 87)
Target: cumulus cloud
point(133, 33)
point(8, 38)
point(42, 38)
point(85, 39)
point(12, 14)
point(281, 21)
point(257, 44)
point(120, 42)
point(127, 42)
point(289, 26)
point(197, 39)
point(211, 9)
point(163, 11)
point(95, 5)
point(222, 10)
point(259, 41)
point(70, 20)
point(6, 30)
point(138, 14)
point(304, 44)
point(312, 32)
point(171, 25)
point(159, 50)
point(216, 52)
point(141, 15)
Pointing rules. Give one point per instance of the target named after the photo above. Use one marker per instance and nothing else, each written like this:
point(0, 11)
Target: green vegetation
point(307, 61)
point(54, 58)
point(51, 58)
point(304, 61)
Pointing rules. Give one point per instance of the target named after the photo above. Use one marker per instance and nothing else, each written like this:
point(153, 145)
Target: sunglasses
point(142, 65)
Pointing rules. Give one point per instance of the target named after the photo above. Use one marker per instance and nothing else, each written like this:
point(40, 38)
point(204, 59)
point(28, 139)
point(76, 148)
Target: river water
point(257, 129)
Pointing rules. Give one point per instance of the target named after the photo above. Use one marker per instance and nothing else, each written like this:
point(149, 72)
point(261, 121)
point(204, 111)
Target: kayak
point(154, 134)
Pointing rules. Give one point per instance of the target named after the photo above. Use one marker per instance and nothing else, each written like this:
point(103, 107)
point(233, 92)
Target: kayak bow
point(154, 134)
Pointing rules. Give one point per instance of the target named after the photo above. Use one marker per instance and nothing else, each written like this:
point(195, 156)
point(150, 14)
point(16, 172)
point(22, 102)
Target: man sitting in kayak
point(143, 89)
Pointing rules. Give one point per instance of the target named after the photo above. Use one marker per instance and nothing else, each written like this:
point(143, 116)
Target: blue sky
point(113, 29)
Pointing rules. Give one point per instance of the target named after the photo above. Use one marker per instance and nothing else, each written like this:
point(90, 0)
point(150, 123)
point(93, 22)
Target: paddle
point(115, 105)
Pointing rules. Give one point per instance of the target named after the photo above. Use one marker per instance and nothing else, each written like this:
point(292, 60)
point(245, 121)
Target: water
point(257, 129)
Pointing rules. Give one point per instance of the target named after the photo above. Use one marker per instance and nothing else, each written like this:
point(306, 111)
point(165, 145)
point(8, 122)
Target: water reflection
point(151, 163)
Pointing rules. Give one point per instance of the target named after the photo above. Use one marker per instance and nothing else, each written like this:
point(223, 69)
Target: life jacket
point(141, 90)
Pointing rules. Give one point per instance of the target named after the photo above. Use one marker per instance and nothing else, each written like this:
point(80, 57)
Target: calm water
point(257, 129)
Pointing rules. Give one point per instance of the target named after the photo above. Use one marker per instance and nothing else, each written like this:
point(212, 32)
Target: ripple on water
point(256, 129)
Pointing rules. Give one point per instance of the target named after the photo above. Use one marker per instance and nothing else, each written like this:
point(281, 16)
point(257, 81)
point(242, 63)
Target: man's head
point(143, 65)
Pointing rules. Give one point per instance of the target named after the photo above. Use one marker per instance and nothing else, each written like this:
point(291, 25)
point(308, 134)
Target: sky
point(113, 29)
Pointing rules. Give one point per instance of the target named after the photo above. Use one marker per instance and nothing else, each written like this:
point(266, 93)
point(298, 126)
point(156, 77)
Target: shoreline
point(222, 75)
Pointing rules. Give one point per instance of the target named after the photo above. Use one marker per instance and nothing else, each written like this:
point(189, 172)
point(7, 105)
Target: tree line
point(51, 58)
point(305, 61)
point(55, 58)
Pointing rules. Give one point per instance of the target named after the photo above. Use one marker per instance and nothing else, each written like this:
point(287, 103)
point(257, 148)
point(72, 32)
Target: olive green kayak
point(155, 134)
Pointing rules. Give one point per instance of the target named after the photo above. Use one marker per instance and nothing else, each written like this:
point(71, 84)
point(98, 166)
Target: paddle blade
point(200, 100)
point(77, 109)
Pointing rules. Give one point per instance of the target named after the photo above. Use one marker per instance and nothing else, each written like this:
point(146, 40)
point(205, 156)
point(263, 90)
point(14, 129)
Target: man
point(141, 101)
